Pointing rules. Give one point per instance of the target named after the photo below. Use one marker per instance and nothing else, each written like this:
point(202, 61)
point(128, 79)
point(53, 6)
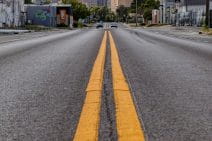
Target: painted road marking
point(88, 126)
point(128, 125)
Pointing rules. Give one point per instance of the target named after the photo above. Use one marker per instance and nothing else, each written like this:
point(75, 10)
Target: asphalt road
point(171, 80)
point(43, 82)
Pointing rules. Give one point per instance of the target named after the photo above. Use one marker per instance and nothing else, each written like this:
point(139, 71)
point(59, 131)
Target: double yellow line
point(128, 125)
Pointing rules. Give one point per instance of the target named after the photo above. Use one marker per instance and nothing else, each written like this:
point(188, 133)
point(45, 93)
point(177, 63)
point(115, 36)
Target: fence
point(191, 18)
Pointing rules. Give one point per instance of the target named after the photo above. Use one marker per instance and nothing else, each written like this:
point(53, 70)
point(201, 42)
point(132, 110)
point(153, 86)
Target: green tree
point(47, 1)
point(111, 17)
point(147, 14)
point(102, 13)
point(122, 13)
point(133, 5)
point(153, 4)
point(80, 11)
point(94, 12)
point(145, 7)
point(27, 1)
point(148, 6)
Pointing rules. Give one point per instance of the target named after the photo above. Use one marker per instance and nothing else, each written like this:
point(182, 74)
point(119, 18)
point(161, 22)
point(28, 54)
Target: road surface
point(6, 38)
point(44, 79)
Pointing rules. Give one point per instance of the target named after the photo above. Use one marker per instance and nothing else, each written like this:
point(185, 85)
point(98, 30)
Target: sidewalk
point(13, 31)
point(168, 27)
point(186, 29)
point(25, 35)
point(183, 32)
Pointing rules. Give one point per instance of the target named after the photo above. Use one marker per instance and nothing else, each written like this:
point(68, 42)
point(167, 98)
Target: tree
point(110, 17)
point(153, 4)
point(94, 12)
point(102, 13)
point(145, 7)
point(147, 14)
point(148, 6)
point(133, 5)
point(47, 1)
point(27, 1)
point(80, 11)
point(122, 13)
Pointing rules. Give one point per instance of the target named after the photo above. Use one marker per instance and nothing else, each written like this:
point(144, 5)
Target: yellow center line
point(128, 125)
point(87, 129)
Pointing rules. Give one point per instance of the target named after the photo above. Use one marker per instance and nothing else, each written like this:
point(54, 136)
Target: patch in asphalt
point(107, 129)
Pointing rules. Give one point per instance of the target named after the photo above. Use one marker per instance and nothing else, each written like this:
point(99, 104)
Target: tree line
point(144, 7)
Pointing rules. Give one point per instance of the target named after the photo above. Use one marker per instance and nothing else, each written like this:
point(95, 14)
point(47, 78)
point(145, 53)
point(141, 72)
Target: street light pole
point(136, 15)
point(13, 10)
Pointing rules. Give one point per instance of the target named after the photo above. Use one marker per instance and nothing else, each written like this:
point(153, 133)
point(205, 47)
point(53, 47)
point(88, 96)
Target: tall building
point(89, 3)
point(114, 4)
point(125, 3)
point(102, 2)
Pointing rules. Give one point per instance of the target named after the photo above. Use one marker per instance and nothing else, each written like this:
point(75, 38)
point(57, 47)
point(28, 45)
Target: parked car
point(114, 25)
point(99, 25)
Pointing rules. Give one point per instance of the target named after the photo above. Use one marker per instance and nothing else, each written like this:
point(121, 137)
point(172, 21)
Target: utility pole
point(161, 13)
point(207, 13)
point(136, 15)
point(13, 10)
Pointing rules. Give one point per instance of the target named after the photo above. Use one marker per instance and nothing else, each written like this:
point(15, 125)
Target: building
point(102, 2)
point(126, 3)
point(191, 12)
point(89, 3)
point(166, 9)
point(114, 4)
point(11, 13)
point(39, 2)
point(57, 1)
point(155, 16)
point(50, 15)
